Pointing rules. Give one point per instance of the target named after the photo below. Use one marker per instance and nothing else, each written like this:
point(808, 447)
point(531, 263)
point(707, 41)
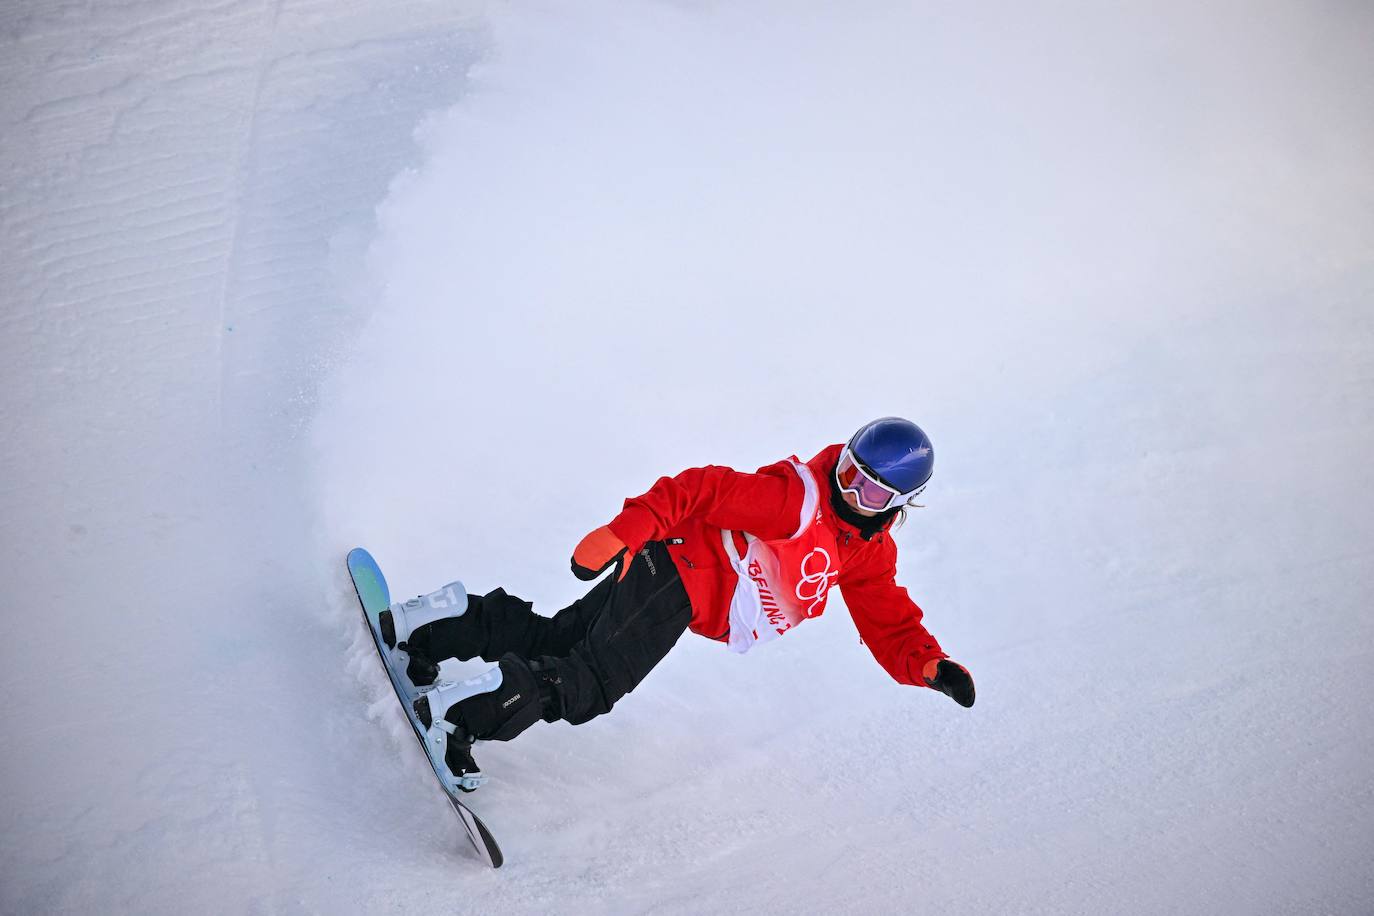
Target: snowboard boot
point(403, 626)
point(449, 637)
point(399, 621)
point(496, 705)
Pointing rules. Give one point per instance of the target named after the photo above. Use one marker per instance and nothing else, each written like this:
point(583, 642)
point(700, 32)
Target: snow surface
point(280, 278)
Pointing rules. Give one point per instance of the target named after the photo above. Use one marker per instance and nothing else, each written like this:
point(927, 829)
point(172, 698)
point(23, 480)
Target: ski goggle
point(870, 492)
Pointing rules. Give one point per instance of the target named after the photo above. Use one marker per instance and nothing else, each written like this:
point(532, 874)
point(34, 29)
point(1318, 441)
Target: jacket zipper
point(677, 542)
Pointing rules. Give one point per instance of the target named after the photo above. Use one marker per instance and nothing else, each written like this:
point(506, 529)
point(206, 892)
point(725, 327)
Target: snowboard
point(375, 597)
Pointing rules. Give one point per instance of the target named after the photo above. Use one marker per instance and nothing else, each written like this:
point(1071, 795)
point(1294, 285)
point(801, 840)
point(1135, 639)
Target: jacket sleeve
point(767, 504)
point(889, 622)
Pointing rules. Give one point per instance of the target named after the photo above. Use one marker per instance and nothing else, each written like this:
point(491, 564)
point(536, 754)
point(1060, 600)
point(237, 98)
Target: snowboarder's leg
point(498, 624)
point(641, 619)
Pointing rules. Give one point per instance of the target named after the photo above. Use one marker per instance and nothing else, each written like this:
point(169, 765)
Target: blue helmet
point(896, 451)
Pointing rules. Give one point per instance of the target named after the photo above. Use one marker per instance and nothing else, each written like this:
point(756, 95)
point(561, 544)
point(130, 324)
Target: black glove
point(954, 681)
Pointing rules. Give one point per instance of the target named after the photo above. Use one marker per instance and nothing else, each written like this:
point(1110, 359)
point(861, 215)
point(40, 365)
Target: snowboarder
point(736, 557)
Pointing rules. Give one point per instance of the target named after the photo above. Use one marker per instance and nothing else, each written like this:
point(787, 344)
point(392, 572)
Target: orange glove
point(596, 552)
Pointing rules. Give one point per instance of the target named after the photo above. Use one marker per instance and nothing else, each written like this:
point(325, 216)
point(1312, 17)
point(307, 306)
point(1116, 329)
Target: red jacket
point(688, 512)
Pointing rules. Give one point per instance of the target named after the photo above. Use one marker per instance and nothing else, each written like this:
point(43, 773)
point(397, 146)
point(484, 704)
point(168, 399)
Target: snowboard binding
point(401, 619)
point(399, 625)
point(448, 740)
point(496, 705)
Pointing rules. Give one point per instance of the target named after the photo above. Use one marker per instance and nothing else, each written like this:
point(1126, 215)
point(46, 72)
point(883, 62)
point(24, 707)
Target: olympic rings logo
point(819, 578)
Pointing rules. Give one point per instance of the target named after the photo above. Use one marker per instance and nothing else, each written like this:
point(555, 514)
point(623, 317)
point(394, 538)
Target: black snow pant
point(599, 647)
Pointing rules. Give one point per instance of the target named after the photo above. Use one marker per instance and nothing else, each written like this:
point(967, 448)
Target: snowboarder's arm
point(765, 504)
point(888, 621)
